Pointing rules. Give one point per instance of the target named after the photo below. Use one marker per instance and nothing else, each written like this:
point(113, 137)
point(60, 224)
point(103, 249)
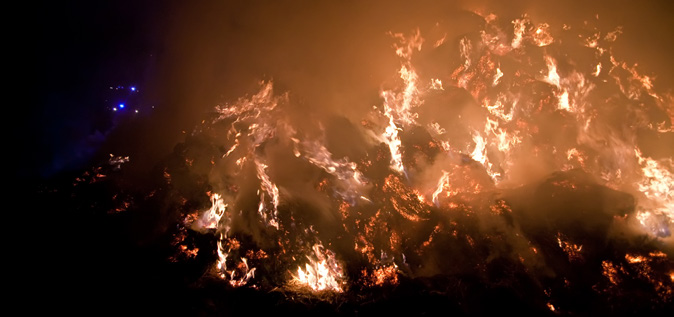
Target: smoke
point(526, 168)
point(500, 142)
point(333, 56)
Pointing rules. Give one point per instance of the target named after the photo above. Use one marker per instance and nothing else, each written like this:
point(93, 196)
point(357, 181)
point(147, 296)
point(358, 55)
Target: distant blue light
point(121, 106)
point(133, 88)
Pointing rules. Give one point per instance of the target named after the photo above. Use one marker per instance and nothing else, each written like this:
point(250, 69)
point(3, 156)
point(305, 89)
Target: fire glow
point(444, 146)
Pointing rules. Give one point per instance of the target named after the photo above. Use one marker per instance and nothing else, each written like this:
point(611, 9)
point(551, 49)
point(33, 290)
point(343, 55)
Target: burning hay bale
point(502, 179)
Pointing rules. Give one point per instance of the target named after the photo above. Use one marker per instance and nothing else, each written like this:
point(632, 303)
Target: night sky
point(80, 51)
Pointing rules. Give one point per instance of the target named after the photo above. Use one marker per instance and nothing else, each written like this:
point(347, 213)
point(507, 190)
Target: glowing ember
point(385, 275)
point(573, 251)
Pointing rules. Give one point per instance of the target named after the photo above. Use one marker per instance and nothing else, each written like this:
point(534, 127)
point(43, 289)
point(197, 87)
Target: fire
point(239, 275)
point(398, 105)
point(479, 153)
point(449, 161)
point(610, 272)
point(573, 251)
point(497, 77)
point(520, 26)
point(634, 259)
point(442, 183)
point(211, 218)
point(657, 185)
point(323, 272)
point(552, 77)
point(542, 35)
point(384, 275)
point(272, 191)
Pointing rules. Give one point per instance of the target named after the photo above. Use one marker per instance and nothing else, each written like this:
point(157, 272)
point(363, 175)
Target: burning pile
point(517, 163)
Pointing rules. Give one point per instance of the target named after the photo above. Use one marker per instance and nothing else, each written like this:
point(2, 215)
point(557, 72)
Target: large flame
point(446, 149)
point(323, 272)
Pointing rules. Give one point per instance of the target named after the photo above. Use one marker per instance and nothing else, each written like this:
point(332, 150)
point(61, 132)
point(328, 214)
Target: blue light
point(121, 106)
point(133, 88)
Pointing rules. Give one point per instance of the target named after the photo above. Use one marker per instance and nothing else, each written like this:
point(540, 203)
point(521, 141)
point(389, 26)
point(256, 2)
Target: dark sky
point(187, 56)
point(81, 48)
